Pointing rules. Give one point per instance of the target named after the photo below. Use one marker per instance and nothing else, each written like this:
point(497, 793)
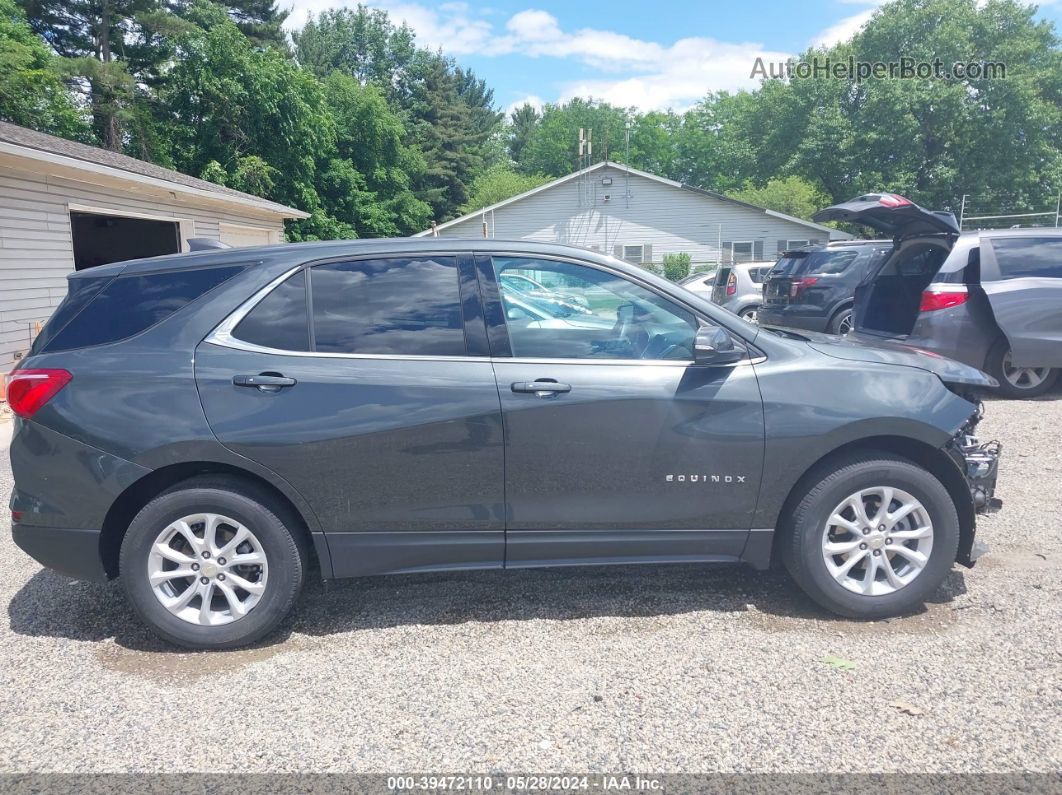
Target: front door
point(366, 385)
point(618, 448)
point(1022, 277)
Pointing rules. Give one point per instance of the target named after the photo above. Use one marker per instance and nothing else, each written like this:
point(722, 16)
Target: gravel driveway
point(654, 669)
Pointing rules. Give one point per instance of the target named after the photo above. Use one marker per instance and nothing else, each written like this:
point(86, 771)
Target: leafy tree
point(522, 125)
point(32, 92)
point(360, 42)
point(373, 162)
point(499, 183)
point(249, 118)
point(553, 146)
point(790, 195)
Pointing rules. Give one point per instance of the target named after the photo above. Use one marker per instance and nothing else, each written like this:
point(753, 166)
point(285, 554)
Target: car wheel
point(842, 322)
point(750, 313)
point(1017, 382)
point(210, 565)
point(873, 538)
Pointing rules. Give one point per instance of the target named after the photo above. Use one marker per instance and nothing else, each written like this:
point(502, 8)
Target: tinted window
point(81, 291)
point(279, 319)
point(586, 313)
point(388, 306)
point(131, 304)
point(1028, 256)
point(758, 274)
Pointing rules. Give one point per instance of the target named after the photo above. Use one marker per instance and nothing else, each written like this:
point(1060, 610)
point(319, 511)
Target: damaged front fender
point(979, 463)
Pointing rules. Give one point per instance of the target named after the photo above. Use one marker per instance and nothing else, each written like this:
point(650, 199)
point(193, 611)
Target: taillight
point(28, 390)
point(893, 200)
point(941, 296)
point(797, 285)
point(731, 284)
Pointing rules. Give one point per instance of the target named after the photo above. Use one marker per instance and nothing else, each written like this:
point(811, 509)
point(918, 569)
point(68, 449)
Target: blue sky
point(652, 55)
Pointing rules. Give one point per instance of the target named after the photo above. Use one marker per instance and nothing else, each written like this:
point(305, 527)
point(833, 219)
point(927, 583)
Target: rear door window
point(279, 320)
point(1038, 257)
point(407, 306)
point(131, 304)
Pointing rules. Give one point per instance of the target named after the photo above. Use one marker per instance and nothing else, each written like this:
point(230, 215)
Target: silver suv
point(739, 288)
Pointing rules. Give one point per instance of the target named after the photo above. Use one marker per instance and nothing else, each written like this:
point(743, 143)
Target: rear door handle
point(541, 388)
point(264, 382)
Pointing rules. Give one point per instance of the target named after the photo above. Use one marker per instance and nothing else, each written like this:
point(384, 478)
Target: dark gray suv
point(211, 426)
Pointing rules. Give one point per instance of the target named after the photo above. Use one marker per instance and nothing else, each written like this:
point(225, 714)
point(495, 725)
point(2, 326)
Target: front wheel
point(873, 538)
point(1017, 382)
point(210, 565)
point(750, 313)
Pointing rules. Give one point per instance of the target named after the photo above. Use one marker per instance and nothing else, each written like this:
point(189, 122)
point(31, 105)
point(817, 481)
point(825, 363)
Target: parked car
point(736, 287)
point(521, 283)
point(700, 282)
point(814, 287)
point(991, 299)
point(209, 427)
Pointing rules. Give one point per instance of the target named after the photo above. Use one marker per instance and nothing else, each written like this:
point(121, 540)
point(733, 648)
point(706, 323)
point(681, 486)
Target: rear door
point(366, 384)
point(618, 447)
point(1022, 277)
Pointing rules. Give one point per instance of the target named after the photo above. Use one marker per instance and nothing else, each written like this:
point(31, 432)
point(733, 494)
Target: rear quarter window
point(128, 305)
point(1020, 257)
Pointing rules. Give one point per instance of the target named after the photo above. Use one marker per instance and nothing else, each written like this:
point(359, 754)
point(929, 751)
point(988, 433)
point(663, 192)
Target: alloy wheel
point(1023, 377)
point(877, 540)
point(751, 315)
point(207, 569)
point(845, 324)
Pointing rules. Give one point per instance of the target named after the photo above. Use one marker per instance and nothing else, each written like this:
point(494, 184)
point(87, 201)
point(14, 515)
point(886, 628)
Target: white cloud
point(534, 100)
point(843, 30)
point(625, 70)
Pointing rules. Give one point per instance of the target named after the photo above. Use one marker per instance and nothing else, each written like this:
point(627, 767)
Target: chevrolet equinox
point(208, 427)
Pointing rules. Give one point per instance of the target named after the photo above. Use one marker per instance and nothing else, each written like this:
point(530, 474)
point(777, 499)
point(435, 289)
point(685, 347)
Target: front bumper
point(75, 553)
point(980, 468)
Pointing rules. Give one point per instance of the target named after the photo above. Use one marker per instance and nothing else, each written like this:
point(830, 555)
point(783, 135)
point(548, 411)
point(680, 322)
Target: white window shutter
point(617, 251)
point(647, 253)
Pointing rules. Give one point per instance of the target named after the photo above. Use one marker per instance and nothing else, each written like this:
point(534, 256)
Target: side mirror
point(713, 345)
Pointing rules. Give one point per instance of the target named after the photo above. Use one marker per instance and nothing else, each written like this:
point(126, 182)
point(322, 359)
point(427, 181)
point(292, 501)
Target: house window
point(743, 251)
point(635, 254)
point(791, 244)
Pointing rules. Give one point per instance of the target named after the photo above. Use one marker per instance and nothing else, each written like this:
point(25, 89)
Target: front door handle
point(264, 382)
point(541, 388)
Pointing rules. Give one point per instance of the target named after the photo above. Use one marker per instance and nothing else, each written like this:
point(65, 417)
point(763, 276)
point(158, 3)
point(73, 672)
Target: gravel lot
point(654, 669)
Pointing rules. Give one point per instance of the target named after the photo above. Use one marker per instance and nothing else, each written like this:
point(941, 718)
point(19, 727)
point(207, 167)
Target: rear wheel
point(750, 313)
point(210, 565)
point(1018, 382)
point(873, 538)
point(842, 322)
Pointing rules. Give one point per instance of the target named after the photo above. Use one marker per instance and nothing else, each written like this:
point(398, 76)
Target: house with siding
point(640, 217)
point(65, 206)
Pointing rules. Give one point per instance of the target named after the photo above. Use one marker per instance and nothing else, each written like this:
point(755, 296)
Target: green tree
point(360, 42)
point(790, 195)
point(32, 91)
point(373, 162)
point(249, 118)
point(499, 183)
point(553, 145)
point(522, 122)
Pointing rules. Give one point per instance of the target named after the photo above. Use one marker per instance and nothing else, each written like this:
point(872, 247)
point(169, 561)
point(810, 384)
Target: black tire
point(803, 537)
point(994, 367)
point(838, 321)
point(282, 543)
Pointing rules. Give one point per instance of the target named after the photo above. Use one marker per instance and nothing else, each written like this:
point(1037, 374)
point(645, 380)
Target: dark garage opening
point(100, 239)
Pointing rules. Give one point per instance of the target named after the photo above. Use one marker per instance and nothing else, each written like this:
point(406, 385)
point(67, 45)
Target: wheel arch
point(933, 459)
point(126, 506)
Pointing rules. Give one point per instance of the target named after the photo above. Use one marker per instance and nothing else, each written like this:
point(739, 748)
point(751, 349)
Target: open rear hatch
point(888, 301)
point(892, 215)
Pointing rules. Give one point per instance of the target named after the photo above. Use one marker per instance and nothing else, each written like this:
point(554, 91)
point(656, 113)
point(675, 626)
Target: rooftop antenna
point(627, 163)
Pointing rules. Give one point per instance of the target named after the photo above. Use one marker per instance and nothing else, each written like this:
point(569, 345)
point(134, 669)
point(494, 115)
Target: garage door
point(239, 236)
